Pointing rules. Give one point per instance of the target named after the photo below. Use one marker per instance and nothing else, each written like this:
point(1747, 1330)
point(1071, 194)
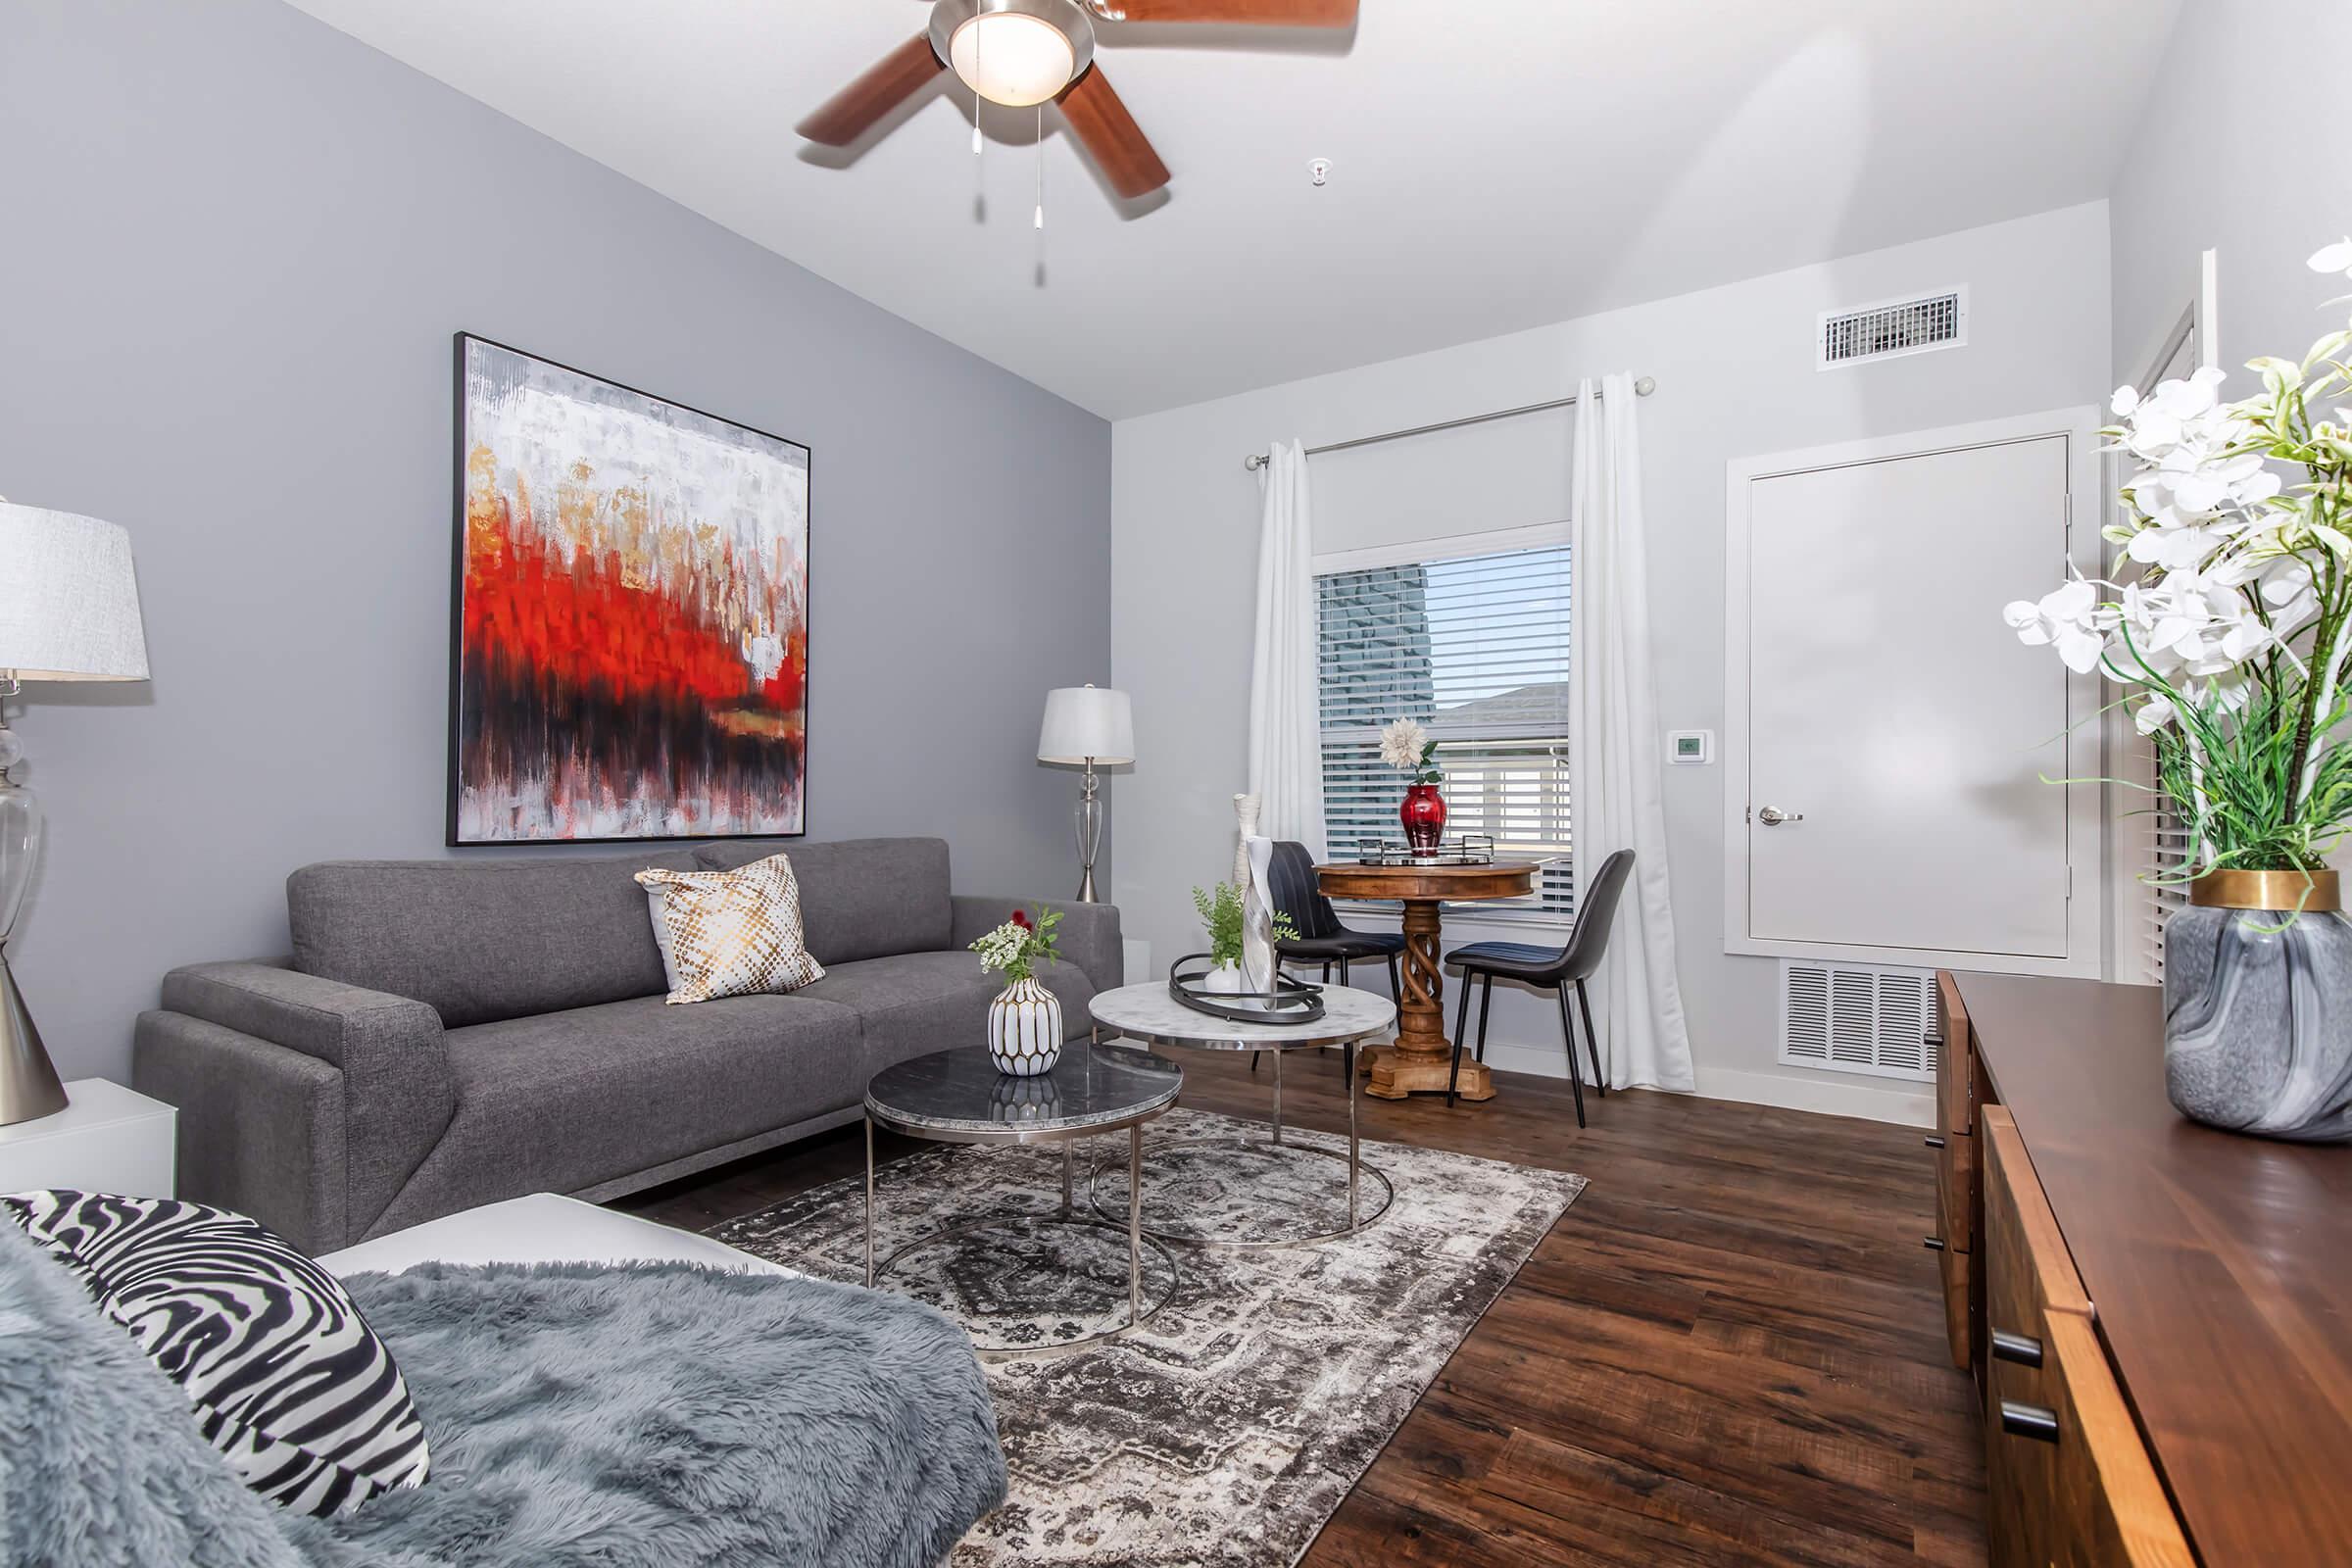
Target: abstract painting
point(631, 634)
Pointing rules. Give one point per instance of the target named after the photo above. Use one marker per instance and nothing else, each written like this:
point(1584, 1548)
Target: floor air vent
point(1893, 328)
point(1857, 1018)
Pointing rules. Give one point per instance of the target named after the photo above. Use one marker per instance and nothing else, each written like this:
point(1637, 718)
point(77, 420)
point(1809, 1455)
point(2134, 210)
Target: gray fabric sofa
point(448, 1033)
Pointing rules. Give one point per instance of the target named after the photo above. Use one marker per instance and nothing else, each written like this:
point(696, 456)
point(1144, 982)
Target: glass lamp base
point(28, 1084)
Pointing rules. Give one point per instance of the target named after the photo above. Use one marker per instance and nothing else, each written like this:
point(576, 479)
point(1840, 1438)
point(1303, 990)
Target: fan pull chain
point(1040, 166)
point(979, 38)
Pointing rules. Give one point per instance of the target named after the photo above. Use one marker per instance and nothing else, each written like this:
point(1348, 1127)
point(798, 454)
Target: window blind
point(1475, 648)
point(2167, 857)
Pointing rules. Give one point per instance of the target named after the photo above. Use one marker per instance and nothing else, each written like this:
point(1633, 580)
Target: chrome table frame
point(1311, 1037)
point(1067, 1137)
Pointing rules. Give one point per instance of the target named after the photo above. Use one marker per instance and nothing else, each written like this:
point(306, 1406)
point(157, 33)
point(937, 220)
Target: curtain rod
point(1257, 459)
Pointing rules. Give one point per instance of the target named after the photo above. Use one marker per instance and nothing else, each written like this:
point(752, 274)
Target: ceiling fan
point(1024, 52)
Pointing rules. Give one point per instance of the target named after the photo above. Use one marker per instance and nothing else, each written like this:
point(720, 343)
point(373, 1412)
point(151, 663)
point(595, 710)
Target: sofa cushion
point(860, 898)
point(562, 1101)
point(915, 1003)
point(482, 940)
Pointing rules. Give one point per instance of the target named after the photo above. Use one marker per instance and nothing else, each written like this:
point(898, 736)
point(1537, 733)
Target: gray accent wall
point(236, 243)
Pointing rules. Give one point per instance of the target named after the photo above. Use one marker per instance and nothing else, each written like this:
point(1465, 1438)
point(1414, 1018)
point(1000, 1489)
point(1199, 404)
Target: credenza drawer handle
point(1934, 1244)
point(2036, 1421)
point(1933, 1142)
point(2024, 1349)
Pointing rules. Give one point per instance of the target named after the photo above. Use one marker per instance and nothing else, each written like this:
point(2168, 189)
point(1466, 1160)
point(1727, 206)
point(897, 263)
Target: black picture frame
point(455, 734)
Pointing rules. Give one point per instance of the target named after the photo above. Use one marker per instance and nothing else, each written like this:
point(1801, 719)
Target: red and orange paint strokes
point(632, 614)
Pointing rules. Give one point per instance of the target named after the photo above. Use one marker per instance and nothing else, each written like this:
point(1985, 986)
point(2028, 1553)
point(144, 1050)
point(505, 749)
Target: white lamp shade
point(69, 601)
point(1086, 722)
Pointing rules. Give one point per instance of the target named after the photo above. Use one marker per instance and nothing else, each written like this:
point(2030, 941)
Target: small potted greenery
point(1024, 1021)
point(1221, 912)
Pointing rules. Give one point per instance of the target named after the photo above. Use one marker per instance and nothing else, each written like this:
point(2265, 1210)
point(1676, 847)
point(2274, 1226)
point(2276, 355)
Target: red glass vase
point(1424, 816)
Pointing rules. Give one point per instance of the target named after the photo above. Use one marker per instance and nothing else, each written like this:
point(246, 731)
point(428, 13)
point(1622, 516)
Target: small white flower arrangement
point(2234, 638)
point(1017, 948)
point(1407, 747)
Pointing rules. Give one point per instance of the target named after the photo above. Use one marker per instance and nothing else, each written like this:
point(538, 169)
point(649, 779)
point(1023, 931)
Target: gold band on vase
point(2313, 892)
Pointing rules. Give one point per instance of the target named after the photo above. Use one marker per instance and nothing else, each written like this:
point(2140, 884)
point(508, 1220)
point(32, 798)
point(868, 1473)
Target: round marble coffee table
point(958, 1097)
point(1149, 1013)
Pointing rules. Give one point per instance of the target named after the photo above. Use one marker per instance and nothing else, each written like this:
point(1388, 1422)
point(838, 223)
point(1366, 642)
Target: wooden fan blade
point(1245, 13)
point(861, 106)
point(1100, 119)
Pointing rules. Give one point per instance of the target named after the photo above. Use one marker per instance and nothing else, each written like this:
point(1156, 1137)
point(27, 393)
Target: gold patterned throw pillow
point(730, 933)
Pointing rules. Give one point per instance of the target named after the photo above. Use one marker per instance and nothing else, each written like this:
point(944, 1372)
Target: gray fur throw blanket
point(651, 1416)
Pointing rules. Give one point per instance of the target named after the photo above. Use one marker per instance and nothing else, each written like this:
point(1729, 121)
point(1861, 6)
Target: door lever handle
point(1774, 817)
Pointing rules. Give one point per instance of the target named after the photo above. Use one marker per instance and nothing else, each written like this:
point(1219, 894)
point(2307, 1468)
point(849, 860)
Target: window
point(2168, 856)
point(2153, 840)
point(1476, 648)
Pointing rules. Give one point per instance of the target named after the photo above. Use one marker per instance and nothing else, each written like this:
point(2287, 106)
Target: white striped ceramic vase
point(1024, 1029)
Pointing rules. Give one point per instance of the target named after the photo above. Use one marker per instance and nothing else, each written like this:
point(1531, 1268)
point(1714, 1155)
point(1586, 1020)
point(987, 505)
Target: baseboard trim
point(1828, 1096)
point(1832, 1097)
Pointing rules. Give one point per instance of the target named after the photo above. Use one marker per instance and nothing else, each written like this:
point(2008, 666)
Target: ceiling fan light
point(1011, 58)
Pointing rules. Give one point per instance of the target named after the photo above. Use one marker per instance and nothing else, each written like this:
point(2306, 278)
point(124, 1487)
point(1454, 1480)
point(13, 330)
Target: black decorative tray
point(1291, 1001)
point(1471, 849)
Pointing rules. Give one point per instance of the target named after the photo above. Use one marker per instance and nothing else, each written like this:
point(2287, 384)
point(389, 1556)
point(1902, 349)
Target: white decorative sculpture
point(1258, 916)
point(1245, 807)
point(1251, 859)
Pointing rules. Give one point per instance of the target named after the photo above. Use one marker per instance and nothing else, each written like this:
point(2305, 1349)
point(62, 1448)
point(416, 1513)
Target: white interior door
point(1894, 742)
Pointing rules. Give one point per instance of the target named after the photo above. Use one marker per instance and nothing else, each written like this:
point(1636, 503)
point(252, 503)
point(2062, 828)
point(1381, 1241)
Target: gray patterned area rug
point(1228, 1427)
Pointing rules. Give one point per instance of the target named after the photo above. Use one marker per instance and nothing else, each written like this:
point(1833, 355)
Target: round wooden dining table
point(1422, 1057)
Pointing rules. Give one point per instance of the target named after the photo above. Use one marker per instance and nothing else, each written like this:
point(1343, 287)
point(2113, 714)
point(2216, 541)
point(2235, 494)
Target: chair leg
point(1326, 971)
point(1601, 1080)
point(1461, 1021)
point(1576, 1071)
point(1343, 971)
point(1395, 986)
point(1253, 1055)
point(1486, 1005)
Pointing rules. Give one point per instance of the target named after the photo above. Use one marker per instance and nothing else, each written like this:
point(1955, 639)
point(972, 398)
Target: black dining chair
point(1553, 969)
point(1322, 939)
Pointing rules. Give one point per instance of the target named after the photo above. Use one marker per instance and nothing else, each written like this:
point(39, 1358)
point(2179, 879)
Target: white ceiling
point(1498, 164)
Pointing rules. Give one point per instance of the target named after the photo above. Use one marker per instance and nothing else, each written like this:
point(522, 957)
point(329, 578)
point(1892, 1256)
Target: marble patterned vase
point(1024, 1029)
point(2258, 1006)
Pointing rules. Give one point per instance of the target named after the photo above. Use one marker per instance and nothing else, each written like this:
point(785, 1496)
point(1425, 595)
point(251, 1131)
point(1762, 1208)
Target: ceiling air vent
point(1851, 1017)
point(1893, 328)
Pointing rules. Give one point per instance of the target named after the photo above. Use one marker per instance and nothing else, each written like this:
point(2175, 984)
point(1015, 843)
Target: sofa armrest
point(260, 1127)
point(398, 1091)
point(1088, 936)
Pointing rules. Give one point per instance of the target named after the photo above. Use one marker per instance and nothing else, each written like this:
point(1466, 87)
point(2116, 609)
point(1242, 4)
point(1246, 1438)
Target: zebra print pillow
point(288, 1382)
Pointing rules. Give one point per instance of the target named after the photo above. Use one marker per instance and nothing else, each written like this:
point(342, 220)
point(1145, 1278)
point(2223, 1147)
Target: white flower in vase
point(1402, 743)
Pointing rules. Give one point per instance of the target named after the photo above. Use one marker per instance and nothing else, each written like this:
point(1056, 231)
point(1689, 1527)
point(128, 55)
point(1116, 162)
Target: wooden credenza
point(2158, 1315)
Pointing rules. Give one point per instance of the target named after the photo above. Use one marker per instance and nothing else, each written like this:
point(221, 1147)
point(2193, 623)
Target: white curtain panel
point(1613, 760)
point(1286, 729)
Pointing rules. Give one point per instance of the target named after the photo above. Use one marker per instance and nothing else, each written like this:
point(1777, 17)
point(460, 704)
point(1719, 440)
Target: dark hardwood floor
point(1729, 1349)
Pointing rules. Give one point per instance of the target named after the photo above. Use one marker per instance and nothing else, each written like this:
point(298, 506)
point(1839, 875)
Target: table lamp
point(68, 611)
point(1085, 725)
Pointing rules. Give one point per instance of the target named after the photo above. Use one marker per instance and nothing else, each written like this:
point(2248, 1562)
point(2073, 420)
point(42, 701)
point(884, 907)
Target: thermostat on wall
point(1690, 748)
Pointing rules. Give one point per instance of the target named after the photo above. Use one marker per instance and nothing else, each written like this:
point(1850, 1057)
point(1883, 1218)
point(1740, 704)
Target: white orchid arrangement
point(2233, 634)
point(1404, 745)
